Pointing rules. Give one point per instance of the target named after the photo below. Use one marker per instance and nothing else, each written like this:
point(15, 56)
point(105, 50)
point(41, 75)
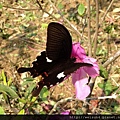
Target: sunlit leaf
point(22, 112)
point(1, 111)
point(101, 85)
point(7, 90)
point(9, 81)
point(103, 72)
point(1, 6)
point(81, 9)
point(4, 77)
point(44, 93)
point(44, 26)
point(60, 6)
point(22, 100)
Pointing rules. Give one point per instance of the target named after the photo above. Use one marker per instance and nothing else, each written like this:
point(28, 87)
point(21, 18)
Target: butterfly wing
point(58, 73)
point(39, 66)
point(58, 46)
point(59, 42)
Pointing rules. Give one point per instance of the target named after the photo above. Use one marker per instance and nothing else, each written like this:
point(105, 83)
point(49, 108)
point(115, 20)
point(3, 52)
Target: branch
point(89, 26)
point(107, 10)
point(111, 59)
point(19, 8)
point(103, 18)
point(97, 25)
point(62, 101)
point(45, 10)
point(72, 26)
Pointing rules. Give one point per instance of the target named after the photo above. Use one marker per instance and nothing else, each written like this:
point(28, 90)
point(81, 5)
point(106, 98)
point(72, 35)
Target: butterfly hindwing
point(58, 73)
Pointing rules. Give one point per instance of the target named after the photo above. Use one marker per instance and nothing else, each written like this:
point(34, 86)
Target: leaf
point(21, 112)
point(27, 81)
point(7, 90)
point(101, 85)
point(79, 112)
point(1, 111)
point(1, 6)
point(60, 6)
point(44, 93)
point(4, 77)
point(9, 81)
point(22, 100)
point(103, 72)
point(44, 26)
point(30, 88)
point(108, 88)
point(81, 9)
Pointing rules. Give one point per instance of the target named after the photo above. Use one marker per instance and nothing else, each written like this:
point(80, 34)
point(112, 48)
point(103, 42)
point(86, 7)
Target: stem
point(111, 59)
point(97, 25)
point(89, 26)
point(103, 18)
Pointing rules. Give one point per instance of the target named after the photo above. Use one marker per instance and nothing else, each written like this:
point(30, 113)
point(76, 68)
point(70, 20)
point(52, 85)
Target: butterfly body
point(55, 63)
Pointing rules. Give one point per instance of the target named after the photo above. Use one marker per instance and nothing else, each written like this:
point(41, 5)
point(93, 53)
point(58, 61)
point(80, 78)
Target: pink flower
point(67, 112)
point(80, 77)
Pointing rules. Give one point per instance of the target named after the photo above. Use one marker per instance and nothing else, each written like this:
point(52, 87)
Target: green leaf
point(4, 77)
point(103, 72)
point(81, 9)
point(22, 101)
point(107, 92)
point(60, 6)
point(44, 26)
point(9, 81)
point(7, 90)
point(21, 112)
point(79, 112)
point(108, 88)
point(1, 111)
point(101, 85)
point(44, 93)
point(1, 6)
point(27, 81)
point(30, 88)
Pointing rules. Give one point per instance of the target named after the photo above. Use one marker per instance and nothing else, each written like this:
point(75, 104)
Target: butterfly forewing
point(59, 42)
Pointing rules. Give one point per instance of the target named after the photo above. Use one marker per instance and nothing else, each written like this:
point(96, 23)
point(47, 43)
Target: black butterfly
point(55, 63)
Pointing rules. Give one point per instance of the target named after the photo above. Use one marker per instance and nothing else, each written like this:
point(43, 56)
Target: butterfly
point(55, 63)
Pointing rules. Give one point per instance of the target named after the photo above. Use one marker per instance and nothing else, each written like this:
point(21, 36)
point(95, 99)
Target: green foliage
point(5, 87)
point(109, 28)
point(44, 26)
point(107, 87)
point(81, 9)
point(103, 72)
point(8, 91)
point(1, 6)
point(1, 111)
point(60, 6)
point(44, 93)
point(101, 52)
point(79, 112)
point(22, 112)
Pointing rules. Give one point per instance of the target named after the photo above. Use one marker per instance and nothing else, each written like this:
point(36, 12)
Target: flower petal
point(67, 112)
point(91, 71)
point(78, 52)
point(82, 90)
point(79, 79)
